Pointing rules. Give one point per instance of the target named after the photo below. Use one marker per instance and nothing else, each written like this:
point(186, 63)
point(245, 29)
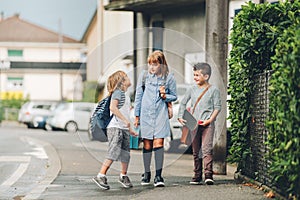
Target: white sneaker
point(209, 181)
point(183, 146)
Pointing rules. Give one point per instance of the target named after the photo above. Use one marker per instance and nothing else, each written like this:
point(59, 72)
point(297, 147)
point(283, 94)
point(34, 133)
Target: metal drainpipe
point(134, 49)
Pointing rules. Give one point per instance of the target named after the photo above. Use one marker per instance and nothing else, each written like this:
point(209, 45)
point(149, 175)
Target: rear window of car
point(40, 106)
point(83, 108)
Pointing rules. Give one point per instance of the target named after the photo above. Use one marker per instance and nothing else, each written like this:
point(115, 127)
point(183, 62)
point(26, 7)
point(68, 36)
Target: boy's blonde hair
point(158, 57)
point(115, 81)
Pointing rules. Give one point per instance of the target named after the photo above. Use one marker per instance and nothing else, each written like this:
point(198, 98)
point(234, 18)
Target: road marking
point(14, 158)
point(51, 172)
point(39, 152)
point(16, 175)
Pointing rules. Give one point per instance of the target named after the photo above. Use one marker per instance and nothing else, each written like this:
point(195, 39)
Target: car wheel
point(71, 127)
point(48, 127)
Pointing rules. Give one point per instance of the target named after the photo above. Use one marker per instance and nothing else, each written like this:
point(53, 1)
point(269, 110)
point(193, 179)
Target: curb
point(54, 167)
point(239, 177)
point(7, 123)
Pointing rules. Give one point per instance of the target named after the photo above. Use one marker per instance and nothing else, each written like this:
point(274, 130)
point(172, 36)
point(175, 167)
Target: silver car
point(71, 116)
point(35, 113)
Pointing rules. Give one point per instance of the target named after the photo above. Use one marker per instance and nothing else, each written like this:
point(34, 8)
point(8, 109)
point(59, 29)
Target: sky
point(75, 15)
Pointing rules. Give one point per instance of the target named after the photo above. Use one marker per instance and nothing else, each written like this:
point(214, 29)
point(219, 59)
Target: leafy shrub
point(263, 39)
point(284, 118)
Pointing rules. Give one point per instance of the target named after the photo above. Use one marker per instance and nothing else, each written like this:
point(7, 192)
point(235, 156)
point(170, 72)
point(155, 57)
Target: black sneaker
point(209, 181)
point(146, 178)
point(101, 182)
point(196, 181)
point(159, 181)
point(125, 181)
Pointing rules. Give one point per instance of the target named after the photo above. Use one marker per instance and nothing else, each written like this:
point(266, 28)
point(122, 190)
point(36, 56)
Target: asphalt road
point(36, 164)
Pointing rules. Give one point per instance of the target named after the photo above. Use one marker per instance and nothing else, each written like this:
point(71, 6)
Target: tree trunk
point(216, 46)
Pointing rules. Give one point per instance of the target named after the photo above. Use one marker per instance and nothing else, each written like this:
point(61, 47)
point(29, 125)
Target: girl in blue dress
point(155, 88)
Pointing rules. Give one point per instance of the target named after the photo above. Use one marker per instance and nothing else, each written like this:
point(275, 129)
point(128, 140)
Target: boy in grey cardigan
point(205, 112)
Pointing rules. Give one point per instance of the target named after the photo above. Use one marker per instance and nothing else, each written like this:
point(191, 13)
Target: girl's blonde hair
point(115, 81)
point(157, 57)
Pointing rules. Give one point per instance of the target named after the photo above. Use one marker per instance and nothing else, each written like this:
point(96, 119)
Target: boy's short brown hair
point(204, 67)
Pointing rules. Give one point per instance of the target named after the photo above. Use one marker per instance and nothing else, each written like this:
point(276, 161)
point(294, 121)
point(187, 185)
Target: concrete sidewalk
point(177, 172)
point(177, 176)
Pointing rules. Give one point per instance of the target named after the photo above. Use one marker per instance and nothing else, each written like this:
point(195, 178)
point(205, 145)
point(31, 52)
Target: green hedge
point(260, 36)
point(284, 120)
point(92, 91)
point(10, 103)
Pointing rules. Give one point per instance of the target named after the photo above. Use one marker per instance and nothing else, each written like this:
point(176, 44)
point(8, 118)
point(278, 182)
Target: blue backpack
point(100, 120)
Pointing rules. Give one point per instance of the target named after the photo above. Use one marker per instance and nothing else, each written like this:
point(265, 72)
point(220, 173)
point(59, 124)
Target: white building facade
point(39, 64)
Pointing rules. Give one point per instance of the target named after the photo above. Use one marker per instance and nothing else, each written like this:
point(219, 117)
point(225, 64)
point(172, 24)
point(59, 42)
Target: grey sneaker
point(101, 182)
point(125, 181)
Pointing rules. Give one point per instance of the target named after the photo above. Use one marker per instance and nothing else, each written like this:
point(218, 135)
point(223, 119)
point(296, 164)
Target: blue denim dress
point(151, 108)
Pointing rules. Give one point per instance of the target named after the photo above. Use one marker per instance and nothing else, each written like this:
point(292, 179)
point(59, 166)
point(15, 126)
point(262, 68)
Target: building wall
point(109, 40)
point(42, 84)
point(44, 53)
point(52, 55)
point(184, 34)
point(93, 68)
point(188, 36)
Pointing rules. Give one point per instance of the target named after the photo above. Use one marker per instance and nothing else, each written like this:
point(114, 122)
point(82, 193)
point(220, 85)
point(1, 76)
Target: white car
point(35, 113)
point(172, 142)
point(71, 116)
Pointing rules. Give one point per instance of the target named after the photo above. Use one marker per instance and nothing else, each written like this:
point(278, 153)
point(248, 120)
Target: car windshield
point(61, 107)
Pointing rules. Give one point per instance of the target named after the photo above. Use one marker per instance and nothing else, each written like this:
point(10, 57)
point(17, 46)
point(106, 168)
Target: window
point(14, 84)
point(15, 54)
point(157, 35)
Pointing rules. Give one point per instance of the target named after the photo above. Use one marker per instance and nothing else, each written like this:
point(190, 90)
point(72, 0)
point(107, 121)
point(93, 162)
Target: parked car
point(35, 113)
point(71, 116)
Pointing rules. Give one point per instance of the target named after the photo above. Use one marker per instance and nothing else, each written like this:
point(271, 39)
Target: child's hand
point(162, 89)
point(181, 121)
point(136, 121)
point(127, 123)
point(133, 133)
point(204, 123)
point(162, 92)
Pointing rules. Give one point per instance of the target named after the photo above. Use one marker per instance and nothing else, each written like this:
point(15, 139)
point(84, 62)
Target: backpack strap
point(144, 80)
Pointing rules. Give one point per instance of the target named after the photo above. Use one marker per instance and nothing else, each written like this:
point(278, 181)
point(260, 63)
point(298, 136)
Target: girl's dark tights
point(155, 145)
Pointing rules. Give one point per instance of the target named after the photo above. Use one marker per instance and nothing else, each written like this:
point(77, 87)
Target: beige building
point(109, 39)
point(38, 63)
